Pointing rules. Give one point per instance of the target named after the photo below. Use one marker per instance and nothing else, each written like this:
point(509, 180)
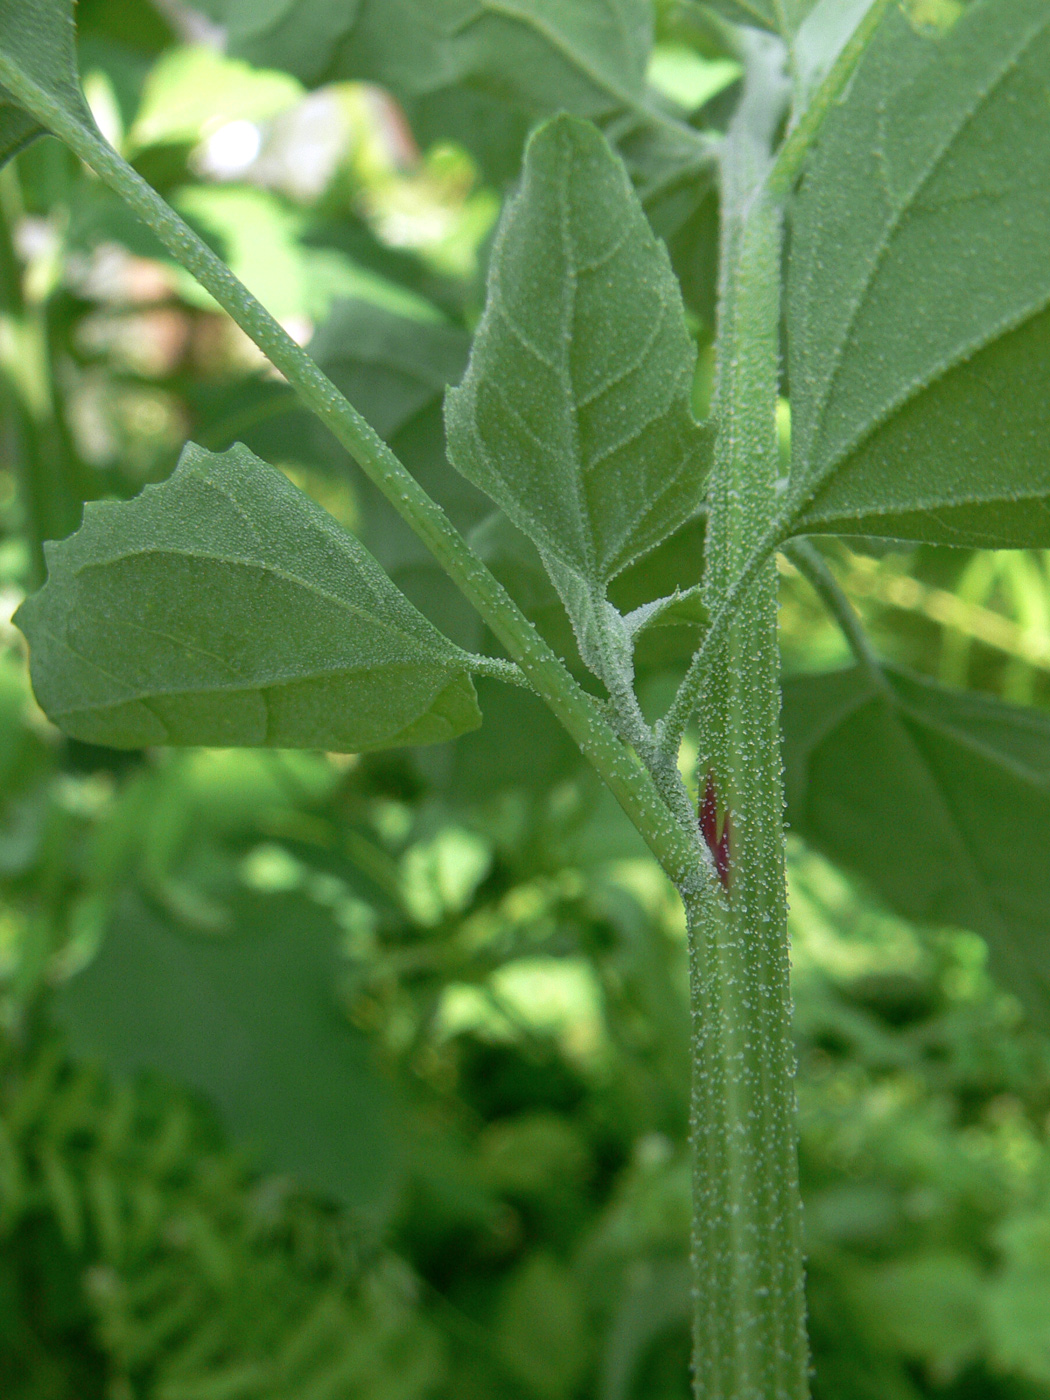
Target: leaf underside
point(575, 412)
point(38, 38)
point(939, 798)
point(919, 293)
point(224, 607)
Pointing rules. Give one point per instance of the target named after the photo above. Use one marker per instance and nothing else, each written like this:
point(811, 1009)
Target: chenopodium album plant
point(904, 147)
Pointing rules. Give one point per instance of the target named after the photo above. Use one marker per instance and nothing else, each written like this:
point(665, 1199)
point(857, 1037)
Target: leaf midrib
point(237, 686)
point(1038, 496)
point(561, 45)
point(343, 604)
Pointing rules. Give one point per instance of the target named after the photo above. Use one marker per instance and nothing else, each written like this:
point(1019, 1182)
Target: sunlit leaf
point(919, 329)
point(940, 798)
point(192, 92)
point(224, 607)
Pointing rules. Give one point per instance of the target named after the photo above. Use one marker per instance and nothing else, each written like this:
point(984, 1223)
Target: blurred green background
point(330, 1078)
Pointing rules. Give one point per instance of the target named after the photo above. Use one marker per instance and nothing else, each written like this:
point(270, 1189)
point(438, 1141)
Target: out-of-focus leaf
point(224, 607)
point(938, 797)
point(193, 91)
point(687, 77)
point(300, 36)
point(390, 366)
point(930, 1307)
point(541, 54)
point(517, 563)
point(543, 1300)
point(821, 37)
point(248, 1019)
point(759, 13)
point(395, 369)
point(1019, 1298)
point(480, 70)
point(259, 237)
point(575, 411)
point(17, 129)
point(654, 1302)
point(782, 16)
point(919, 329)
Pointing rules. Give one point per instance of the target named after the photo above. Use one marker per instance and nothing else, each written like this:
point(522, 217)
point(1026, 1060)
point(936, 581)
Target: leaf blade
point(548, 420)
point(224, 607)
point(916, 309)
point(939, 798)
point(249, 1019)
point(37, 37)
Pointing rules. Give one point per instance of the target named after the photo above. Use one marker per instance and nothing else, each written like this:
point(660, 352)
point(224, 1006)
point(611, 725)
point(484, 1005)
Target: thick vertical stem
point(750, 1331)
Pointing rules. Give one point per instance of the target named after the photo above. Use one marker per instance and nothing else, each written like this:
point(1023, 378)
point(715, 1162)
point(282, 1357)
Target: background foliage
point(367, 1077)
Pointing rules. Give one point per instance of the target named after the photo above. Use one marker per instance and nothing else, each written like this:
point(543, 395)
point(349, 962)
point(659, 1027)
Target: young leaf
point(574, 414)
point(919, 329)
point(37, 38)
point(248, 1019)
point(224, 607)
point(938, 797)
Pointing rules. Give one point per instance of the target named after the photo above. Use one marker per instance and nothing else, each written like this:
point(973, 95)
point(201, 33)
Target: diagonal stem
point(677, 848)
point(812, 566)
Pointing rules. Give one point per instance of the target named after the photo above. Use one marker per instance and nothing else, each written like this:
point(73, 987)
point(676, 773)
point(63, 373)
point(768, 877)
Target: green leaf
point(17, 129)
point(38, 40)
point(390, 366)
point(759, 13)
point(192, 91)
point(249, 1019)
point(224, 607)
point(938, 797)
point(919, 329)
point(480, 70)
point(588, 58)
point(783, 16)
point(301, 36)
point(575, 413)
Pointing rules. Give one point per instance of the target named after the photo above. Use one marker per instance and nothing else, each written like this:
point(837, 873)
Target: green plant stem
point(813, 568)
point(749, 1338)
point(793, 152)
point(678, 850)
point(777, 182)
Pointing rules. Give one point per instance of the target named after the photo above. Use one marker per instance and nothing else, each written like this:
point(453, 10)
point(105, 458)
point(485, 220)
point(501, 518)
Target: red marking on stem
point(717, 841)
